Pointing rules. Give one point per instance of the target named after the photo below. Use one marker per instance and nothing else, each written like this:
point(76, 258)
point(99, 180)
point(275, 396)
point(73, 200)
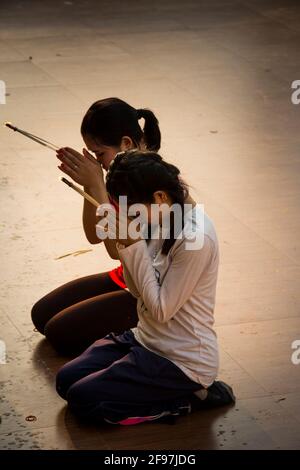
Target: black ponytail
point(138, 175)
point(151, 129)
point(110, 119)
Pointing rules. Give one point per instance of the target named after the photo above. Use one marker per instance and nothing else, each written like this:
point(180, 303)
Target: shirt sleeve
point(186, 268)
point(127, 276)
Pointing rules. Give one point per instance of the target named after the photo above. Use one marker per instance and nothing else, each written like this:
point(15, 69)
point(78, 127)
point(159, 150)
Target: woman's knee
point(65, 378)
point(83, 400)
point(38, 316)
point(77, 393)
point(59, 337)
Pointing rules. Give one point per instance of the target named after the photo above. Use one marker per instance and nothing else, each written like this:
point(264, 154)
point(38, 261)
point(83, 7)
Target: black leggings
point(78, 313)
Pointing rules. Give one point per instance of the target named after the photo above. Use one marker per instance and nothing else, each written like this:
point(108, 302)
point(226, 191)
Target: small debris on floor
point(74, 253)
point(31, 418)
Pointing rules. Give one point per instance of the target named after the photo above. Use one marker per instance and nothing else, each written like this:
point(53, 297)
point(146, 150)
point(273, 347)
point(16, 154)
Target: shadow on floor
point(46, 360)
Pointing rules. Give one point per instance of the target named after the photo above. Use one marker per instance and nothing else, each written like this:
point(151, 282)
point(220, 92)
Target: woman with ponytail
point(166, 366)
point(74, 315)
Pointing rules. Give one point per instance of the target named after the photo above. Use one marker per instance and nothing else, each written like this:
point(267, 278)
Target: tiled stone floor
point(218, 74)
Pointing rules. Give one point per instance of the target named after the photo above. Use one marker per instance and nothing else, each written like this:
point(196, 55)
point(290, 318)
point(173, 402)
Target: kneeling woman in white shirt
point(166, 365)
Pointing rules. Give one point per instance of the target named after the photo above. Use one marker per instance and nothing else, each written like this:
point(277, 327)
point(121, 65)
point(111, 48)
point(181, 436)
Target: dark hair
point(108, 120)
point(138, 175)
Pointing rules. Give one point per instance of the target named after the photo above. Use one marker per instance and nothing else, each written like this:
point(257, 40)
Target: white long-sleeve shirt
point(176, 298)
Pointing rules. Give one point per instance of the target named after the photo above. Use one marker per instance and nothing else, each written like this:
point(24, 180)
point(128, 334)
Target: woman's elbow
point(93, 240)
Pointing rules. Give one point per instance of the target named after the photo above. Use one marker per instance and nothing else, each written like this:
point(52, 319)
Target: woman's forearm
point(90, 219)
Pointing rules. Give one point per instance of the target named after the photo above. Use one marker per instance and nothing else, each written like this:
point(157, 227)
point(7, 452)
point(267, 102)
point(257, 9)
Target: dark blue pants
point(117, 378)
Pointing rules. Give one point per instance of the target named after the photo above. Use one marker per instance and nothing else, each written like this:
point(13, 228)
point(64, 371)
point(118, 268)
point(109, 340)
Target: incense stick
point(51, 146)
point(80, 191)
point(37, 139)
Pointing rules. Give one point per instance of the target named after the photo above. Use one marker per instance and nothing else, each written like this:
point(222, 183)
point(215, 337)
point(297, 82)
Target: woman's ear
point(126, 143)
point(161, 197)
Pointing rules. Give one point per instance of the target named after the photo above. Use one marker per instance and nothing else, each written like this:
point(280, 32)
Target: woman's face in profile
point(104, 154)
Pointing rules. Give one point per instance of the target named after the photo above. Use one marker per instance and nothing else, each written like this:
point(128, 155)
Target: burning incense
point(80, 191)
point(37, 139)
